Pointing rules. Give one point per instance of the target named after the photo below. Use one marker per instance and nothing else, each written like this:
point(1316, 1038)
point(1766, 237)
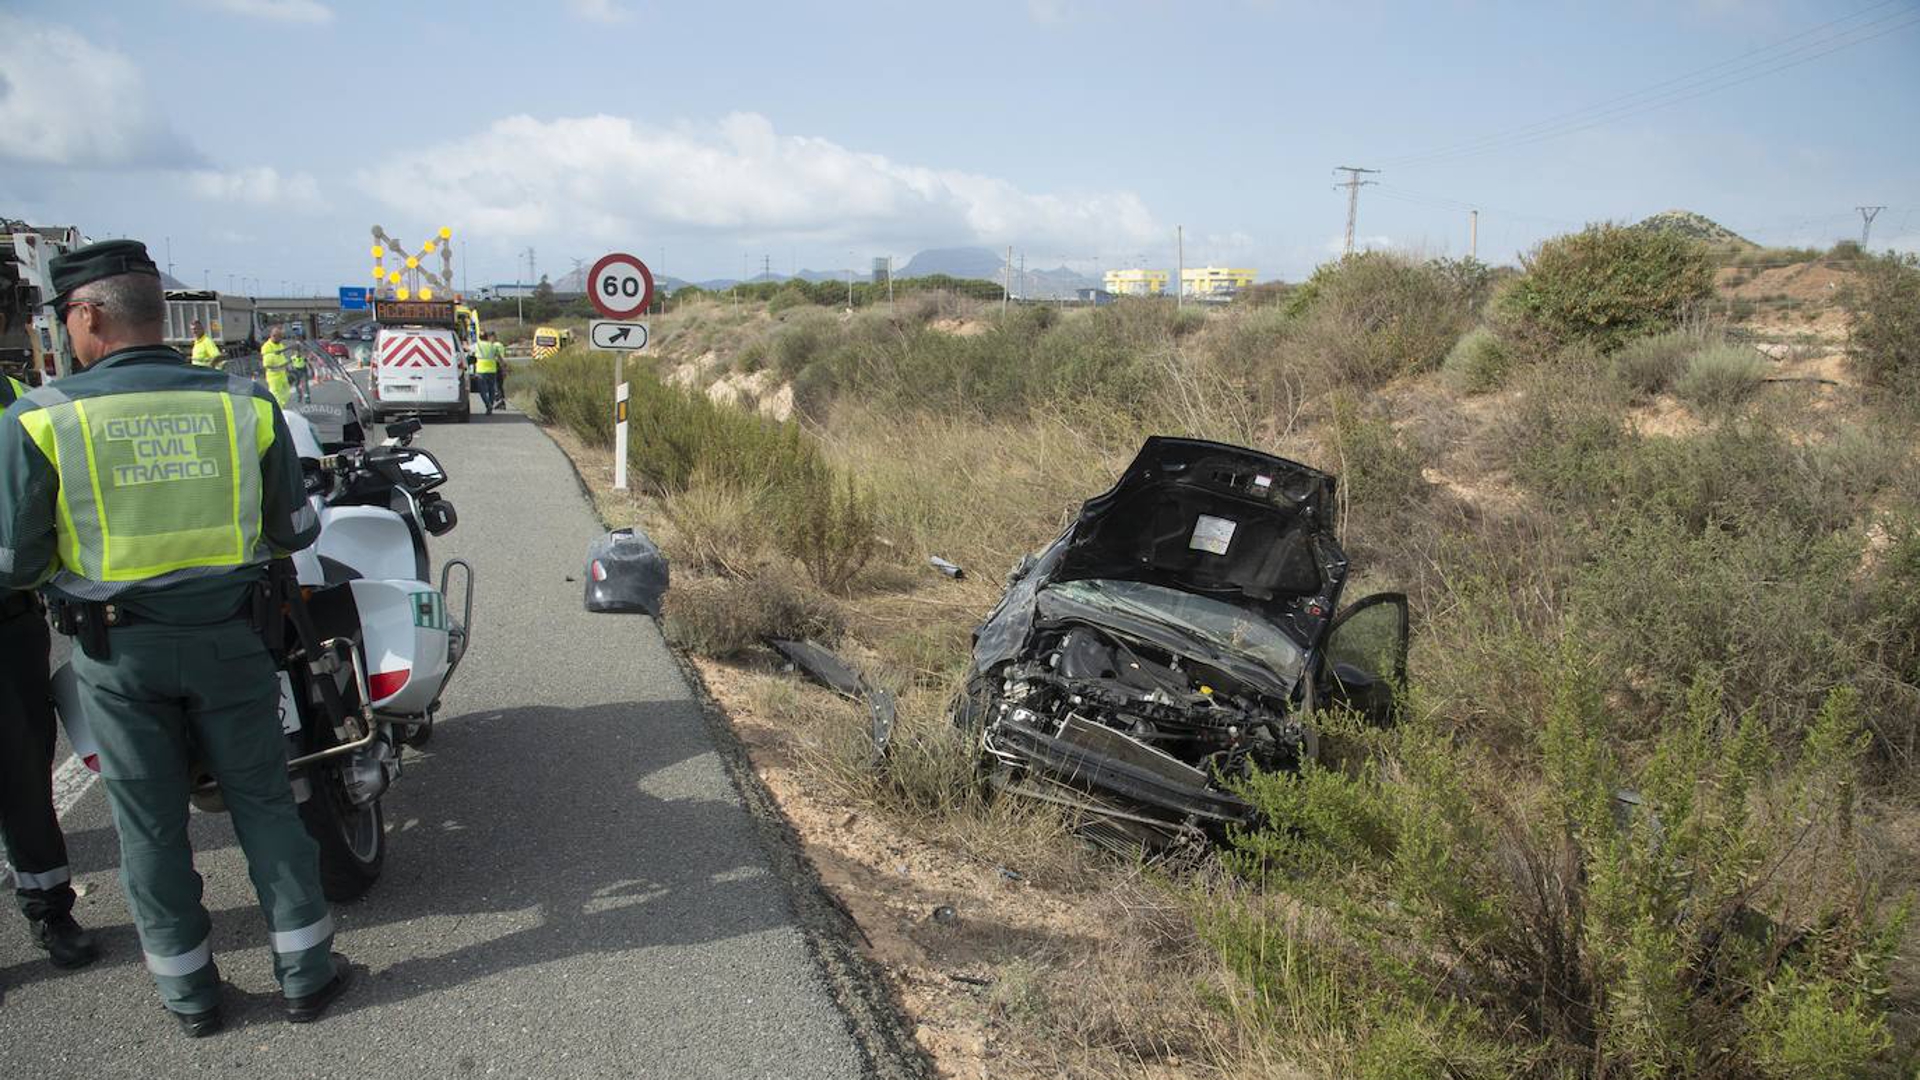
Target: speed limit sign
point(620, 286)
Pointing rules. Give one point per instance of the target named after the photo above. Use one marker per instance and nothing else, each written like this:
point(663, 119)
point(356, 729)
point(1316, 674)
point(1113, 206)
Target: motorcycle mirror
point(404, 429)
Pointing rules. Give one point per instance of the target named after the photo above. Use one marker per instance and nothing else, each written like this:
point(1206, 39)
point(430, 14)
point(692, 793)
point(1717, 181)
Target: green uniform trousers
point(166, 696)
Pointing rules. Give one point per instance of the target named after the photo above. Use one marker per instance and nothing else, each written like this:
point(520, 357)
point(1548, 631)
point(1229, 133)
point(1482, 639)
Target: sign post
point(621, 288)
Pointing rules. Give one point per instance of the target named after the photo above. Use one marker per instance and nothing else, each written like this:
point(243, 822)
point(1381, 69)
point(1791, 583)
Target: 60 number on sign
point(621, 286)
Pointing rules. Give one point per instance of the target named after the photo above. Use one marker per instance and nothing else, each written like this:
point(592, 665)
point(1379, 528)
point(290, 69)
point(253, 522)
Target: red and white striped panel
point(423, 351)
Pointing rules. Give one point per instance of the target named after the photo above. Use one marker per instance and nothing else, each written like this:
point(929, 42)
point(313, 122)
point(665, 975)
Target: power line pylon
point(1867, 214)
point(1353, 186)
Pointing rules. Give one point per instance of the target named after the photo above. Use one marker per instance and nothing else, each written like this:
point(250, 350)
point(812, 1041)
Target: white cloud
point(605, 177)
point(300, 11)
point(261, 185)
point(67, 102)
point(600, 11)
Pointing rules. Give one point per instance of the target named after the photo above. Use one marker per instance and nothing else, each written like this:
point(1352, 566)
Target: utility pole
point(1473, 235)
point(1179, 266)
point(1006, 281)
point(1867, 214)
point(1353, 186)
point(850, 262)
point(169, 256)
point(1026, 287)
point(520, 297)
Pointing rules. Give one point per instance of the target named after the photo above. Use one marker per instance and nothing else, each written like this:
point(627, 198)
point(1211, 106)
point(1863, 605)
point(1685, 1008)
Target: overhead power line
point(1814, 43)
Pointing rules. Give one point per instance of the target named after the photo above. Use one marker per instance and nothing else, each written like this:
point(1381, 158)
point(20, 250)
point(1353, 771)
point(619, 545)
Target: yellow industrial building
point(1214, 282)
point(1137, 282)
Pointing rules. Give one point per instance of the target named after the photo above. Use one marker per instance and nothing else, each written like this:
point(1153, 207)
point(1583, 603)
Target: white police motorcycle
point(364, 641)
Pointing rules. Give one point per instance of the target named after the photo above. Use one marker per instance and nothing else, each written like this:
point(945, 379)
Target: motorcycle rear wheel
point(352, 839)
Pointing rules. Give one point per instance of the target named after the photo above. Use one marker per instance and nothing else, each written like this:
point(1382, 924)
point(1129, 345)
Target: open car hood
point(1247, 528)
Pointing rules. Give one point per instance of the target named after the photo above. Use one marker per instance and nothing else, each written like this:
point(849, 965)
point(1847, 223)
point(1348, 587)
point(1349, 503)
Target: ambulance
point(420, 363)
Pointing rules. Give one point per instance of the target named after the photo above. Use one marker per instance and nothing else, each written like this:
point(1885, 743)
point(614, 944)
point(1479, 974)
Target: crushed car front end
point(1168, 643)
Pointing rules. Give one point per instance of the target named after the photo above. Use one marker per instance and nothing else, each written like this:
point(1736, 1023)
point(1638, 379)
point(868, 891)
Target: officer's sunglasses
point(65, 307)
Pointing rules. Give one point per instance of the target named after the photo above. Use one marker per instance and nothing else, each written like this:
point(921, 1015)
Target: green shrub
point(1721, 376)
point(1614, 925)
point(1561, 437)
point(1377, 468)
point(787, 298)
point(574, 389)
point(1604, 286)
point(1374, 316)
point(827, 525)
point(804, 338)
point(1883, 321)
point(726, 617)
point(1652, 364)
point(1770, 607)
point(1477, 363)
point(719, 527)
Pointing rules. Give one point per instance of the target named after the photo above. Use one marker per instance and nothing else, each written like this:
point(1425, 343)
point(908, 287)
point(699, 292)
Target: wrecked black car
point(1181, 633)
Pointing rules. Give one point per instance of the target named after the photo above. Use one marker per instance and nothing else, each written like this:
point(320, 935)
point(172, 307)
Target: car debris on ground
point(829, 670)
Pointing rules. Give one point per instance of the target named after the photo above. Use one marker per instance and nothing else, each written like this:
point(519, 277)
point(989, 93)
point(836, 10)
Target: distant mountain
point(985, 264)
point(1695, 227)
point(960, 262)
point(574, 283)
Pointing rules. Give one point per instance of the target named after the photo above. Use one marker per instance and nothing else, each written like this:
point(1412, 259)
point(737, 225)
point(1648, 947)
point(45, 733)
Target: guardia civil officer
point(147, 495)
point(43, 884)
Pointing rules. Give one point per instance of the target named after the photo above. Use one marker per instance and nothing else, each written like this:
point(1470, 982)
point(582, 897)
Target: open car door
point(1363, 665)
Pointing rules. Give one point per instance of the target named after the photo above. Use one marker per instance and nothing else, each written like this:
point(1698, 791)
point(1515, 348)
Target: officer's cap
point(109, 258)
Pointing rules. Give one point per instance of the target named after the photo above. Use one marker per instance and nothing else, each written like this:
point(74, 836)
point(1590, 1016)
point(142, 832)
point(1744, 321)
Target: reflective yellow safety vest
point(273, 354)
point(154, 483)
point(205, 352)
point(487, 357)
point(18, 390)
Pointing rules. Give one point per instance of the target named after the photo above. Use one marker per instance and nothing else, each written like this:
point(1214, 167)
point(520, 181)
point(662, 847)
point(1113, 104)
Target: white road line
point(70, 781)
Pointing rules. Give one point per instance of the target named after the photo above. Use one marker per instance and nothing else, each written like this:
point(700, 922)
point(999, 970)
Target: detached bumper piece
point(626, 574)
point(822, 666)
point(1099, 760)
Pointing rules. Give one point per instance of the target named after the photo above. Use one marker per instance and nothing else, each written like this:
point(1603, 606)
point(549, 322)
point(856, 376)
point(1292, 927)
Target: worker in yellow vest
point(205, 352)
point(273, 361)
point(486, 364)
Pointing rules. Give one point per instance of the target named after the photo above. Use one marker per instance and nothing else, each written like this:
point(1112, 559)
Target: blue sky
point(262, 138)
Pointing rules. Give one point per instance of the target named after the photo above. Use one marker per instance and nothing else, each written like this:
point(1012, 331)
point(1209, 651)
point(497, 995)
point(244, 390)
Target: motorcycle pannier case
point(626, 573)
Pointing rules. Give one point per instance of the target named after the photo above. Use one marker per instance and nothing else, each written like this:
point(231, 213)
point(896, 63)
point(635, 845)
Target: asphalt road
point(574, 886)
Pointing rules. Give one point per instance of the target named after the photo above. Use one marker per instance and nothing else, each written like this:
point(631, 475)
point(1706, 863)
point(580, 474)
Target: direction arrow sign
point(618, 335)
point(620, 286)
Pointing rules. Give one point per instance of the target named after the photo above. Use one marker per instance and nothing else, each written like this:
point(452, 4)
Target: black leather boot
point(67, 945)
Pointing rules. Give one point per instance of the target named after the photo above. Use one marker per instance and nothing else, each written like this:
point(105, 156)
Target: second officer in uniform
point(43, 885)
point(148, 495)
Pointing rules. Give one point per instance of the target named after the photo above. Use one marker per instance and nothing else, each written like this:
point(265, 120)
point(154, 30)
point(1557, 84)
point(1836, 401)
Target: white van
point(420, 371)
